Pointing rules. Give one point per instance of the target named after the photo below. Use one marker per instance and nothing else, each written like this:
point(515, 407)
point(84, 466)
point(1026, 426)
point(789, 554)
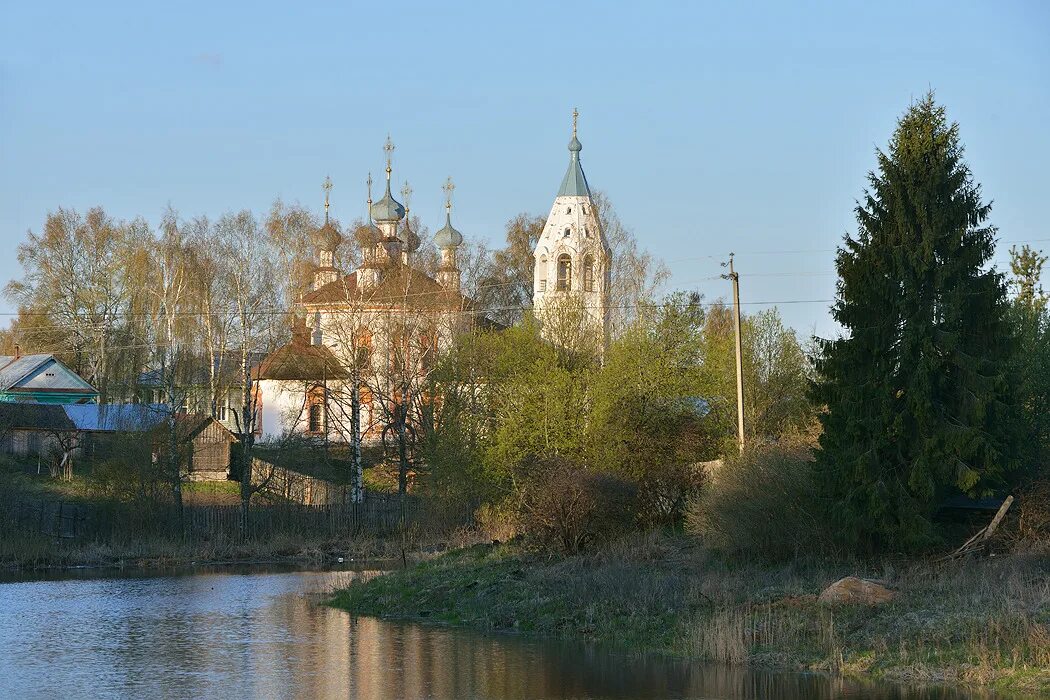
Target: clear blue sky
point(713, 127)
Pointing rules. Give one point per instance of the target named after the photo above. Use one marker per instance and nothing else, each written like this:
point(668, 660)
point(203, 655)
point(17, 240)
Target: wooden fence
point(46, 517)
point(297, 487)
point(377, 515)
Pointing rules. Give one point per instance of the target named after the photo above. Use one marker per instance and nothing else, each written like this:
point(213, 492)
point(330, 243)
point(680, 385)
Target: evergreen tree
point(1027, 268)
point(918, 395)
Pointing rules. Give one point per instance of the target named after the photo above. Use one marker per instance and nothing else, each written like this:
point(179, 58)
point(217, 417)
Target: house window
point(588, 274)
point(427, 351)
point(564, 273)
point(316, 418)
point(222, 411)
point(363, 346)
point(399, 351)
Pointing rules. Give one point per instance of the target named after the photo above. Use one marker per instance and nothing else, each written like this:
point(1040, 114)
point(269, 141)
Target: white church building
point(366, 340)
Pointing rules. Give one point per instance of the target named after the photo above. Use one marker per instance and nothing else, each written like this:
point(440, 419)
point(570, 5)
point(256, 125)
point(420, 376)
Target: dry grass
point(27, 551)
point(985, 622)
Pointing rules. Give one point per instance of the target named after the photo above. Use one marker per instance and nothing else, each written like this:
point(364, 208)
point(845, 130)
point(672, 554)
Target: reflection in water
point(254, 635)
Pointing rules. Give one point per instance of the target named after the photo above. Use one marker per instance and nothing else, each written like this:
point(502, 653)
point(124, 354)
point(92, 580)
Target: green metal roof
point(575, 182)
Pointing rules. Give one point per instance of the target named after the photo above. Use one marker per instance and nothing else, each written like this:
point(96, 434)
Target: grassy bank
point(28, 552)
point(984, 622)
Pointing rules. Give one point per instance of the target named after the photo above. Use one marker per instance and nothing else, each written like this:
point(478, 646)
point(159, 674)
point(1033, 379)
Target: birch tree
point(254, 296)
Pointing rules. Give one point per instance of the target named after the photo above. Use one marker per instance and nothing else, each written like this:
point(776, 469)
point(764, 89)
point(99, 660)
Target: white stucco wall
point(572, 228)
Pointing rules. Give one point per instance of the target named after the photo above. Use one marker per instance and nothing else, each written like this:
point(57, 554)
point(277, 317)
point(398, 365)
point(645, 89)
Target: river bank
point(981, 622)
point(28, 552)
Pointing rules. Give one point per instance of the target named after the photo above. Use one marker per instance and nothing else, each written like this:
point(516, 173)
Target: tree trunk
point(247, 442)
point(358, 492)
point(173, 466)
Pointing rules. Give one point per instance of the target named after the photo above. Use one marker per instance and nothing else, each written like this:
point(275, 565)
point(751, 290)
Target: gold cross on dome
point(575, 117)
point(389, 148)
point(327, 187)
point(369, 181)
point(449, 186)
point(406, 193)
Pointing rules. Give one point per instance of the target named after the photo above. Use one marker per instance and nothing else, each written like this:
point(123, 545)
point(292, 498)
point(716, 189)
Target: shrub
point(564, 506)
point(763, 503)
point(1033, 525)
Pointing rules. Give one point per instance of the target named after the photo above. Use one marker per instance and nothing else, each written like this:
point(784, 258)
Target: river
point(242, 633)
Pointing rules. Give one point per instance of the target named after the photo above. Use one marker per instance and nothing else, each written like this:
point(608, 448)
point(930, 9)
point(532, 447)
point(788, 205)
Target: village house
point(42, 378)
point(220, 394)
point(68, 433)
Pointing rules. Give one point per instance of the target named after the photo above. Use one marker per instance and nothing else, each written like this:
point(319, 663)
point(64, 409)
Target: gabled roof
point(101, 418)
point(34, 416)
point(131, 417)
point(228, 371)
point(40, 373)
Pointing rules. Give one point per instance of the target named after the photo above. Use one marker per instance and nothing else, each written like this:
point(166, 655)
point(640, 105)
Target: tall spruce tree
point(918, 395)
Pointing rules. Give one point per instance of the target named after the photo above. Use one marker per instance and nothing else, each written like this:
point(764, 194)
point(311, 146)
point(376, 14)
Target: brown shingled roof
point(299, 360)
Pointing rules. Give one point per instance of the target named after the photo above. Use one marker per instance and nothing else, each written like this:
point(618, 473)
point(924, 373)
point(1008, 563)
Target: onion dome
point(367, 235)
point(448, 236)
point(410, 238)
point(387, 209)
point(326, 237)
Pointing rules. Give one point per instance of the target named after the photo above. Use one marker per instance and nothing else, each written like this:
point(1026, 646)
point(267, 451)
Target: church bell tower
point(570, 292)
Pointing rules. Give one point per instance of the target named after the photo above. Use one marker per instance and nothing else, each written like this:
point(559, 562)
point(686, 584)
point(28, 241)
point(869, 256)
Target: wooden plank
point(990, 530)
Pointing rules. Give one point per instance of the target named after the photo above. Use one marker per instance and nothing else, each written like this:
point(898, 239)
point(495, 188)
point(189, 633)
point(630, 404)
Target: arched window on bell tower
point(588, 273)
point(564, 273)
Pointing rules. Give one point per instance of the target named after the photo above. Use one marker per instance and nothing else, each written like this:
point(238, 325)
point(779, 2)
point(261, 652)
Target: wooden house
point(42, 379)
point(90, 432)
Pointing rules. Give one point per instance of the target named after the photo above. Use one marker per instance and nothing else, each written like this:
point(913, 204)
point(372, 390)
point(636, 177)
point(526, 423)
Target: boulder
point(857, 590)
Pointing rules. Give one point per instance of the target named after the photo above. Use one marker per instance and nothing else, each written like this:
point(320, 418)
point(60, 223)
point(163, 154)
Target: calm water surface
point(240, 634)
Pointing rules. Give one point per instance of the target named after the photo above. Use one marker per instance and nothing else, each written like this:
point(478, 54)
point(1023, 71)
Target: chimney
point(18, 351)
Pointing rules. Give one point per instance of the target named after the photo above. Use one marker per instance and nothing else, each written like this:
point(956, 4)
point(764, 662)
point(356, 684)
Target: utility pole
point(735, 278)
